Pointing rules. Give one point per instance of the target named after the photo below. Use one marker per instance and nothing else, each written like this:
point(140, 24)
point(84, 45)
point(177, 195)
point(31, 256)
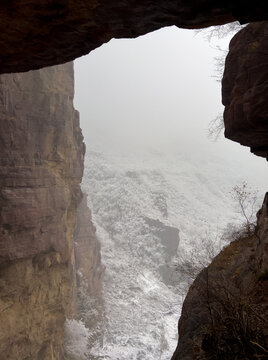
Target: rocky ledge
point(225, 313)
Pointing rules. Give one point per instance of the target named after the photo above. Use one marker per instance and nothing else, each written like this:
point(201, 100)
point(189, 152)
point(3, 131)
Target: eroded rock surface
point(225, 313)
point(90, 270)
point(89, 275)
point(245, 88)
point(40, 33)
point(41, 166)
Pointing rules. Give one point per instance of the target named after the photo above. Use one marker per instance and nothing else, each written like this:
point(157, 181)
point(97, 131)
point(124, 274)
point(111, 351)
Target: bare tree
point(215, 127)
point(190, 263)
point(246, 202)
point(220, 31)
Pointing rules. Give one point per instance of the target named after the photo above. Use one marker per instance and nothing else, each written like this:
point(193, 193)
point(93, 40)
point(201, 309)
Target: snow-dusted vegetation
point(159, 191)
point(144, 283)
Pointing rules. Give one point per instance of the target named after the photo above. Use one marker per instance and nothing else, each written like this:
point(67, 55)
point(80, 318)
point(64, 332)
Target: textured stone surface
point(41, 162)
point(262, 251)
point(225, 313)
point(38, 33)
point(87, 252)
point(41, 166)
point(245, 88)
point(34, 295)
point(89, 277)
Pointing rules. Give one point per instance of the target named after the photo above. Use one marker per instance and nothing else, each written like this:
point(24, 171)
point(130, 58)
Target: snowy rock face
point(140, 308)
point(143, 239)
point(88, 264)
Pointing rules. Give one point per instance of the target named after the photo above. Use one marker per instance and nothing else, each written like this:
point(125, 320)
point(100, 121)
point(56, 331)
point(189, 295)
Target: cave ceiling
point(38, 33)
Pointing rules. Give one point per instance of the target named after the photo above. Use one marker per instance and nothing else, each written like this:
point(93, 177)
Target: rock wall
point(41, 166)
point(225, 313)
point(38, 33)
point(90, 270)
point(245, 88)
point(89, 276)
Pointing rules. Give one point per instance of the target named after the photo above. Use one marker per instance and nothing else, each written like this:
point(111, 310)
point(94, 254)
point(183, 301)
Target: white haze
point(145, 105)
point(156, 91)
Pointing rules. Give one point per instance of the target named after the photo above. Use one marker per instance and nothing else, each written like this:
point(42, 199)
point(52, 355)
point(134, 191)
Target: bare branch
point(215, 128)
point(246, 200)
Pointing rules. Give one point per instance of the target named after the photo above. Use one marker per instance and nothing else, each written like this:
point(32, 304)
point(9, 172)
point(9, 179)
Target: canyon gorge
point(49, 250)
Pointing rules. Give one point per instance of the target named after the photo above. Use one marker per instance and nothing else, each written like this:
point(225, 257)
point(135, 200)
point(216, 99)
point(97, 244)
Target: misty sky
point(156, 91)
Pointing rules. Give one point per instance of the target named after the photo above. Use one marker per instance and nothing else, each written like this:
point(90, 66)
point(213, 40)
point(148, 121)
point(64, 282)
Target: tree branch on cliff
point(191, 262)
point(220, 31)
point(215, 127)
point(246, 200)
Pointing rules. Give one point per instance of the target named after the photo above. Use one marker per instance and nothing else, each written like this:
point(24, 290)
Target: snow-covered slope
point(131, 195)
point(153, 179)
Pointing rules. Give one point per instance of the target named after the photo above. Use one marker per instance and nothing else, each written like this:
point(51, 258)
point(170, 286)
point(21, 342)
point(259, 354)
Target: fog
point(155, 92)
point(145, 105)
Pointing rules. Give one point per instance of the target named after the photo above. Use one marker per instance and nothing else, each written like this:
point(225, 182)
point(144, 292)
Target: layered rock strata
point(36, 33)
point(41, 166)
point(225, 313)
point(245, 88)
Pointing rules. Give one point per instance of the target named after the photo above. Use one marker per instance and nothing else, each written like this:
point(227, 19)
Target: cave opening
point(143, 201)
point(153, 179)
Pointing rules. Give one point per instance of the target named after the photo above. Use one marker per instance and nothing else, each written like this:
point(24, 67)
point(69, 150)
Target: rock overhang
point(35, 33)
point(39, 33)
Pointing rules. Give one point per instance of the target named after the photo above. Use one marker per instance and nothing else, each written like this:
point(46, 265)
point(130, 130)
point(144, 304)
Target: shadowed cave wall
point(38, 33)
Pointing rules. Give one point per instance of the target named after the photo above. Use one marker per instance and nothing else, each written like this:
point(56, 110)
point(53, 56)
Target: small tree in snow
point(190, 263)
point(246, 201)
